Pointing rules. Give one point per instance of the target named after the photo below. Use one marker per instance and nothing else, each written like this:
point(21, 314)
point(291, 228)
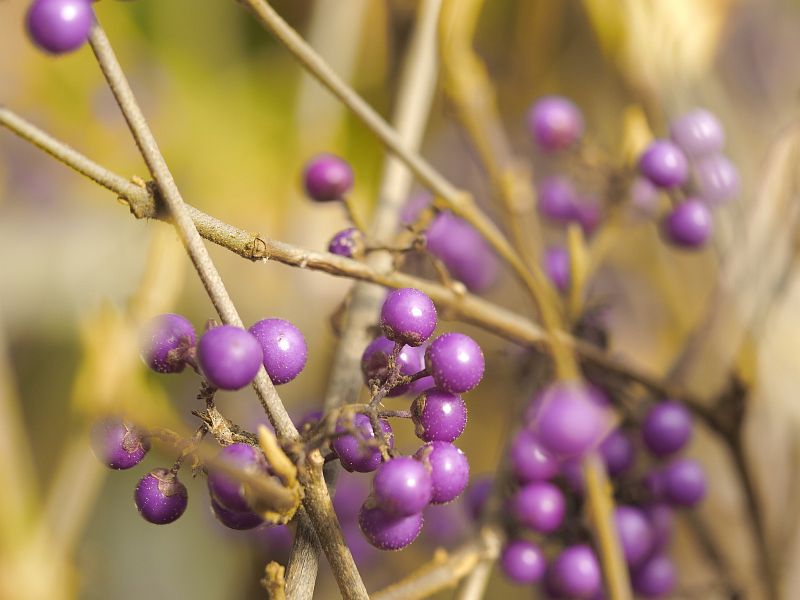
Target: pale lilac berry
point(59, 26)
point(667, 428)
point(327, 178)
point(618, 452)
point(402, 486)
point(557, 267)
point(438, 416)
point(689, 225)
point(348, 243)
point(635, 534)
point(684, 482)
point(456, 362)
point(698, 133)
point(540, 506)
point(528, 460)
point(449, 470)
point(117, 444)
point(387, 531)
point(576, 573)
point(229, 357)
point(375, 363)
point(523, 562)
point(655, 578)
point(555, 123)
point(160, 497)
point(664, 164)
point(558, 199)
point(716, 179)
point(227, 490)
point(353, 453)
point(408, 316)
point(165, 342)
point(284, 349)
point(233, 519)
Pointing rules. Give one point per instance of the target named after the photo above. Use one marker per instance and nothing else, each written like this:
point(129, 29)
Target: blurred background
point(237, 119)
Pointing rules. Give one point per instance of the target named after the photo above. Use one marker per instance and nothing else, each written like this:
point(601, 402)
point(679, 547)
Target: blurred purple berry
point(698, 133)
point(59, 26)
point(664, 164)
point(438, 416)
point(523, 562)
point(387, 531)
point(165, 341)
point(558, 199)
point(635, 534)
point(311, 419)
point(348, 243)
point(618, 452)
point(477, 496)
point(661, 519)
point(528, 459)
point(655, 578)
point(576, 572)
point(555, 123)
point(456, 362)
point(375, 363)
point(540, 506)
point(667, 428)
point(402, 486)
point(557, 267)
point(684, 482)
point(716, 179)
point(364, 553)
point(351, 491)
point(689, 224)
point(233, 519)
point(449, 470)
point(327, 178)
point(353, 454)
point(408, 316)
point(644, 197)
point(228, 491)
point(160, 497)
point(117, 444)
point(229, 357)
point(284, 349)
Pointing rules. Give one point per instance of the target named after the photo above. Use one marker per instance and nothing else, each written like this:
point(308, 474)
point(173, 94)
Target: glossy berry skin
point(348, 243)
point(227, 490)
point(402, 486)
point(528, 459)
point(284, 349)
point(539, 506)
point(557, 267)
point(618, 453)
point(408, 316)
point(456, 362)
point(667, 428)
point(327, 178)
point(555, 123)
point(117, 444)
point(229, 357)
point(698, 133)
point(689, 225)
point(664, 164)
point(635, 534)
point(684, 482)
point(568, 421)
point(523, 562)
point(235, 520)
point(449, 470)
point(558, 199)
point(160, 497)
point(716, 179)
point(655, 578)
point(353, 455)
point(576, 573)
point(438, 416)
point(387, 531)
point(375, 363)
point(59, 26)
point(165, 341)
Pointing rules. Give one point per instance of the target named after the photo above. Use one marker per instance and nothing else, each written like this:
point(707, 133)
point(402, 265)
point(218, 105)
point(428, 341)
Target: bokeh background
point(237, 119)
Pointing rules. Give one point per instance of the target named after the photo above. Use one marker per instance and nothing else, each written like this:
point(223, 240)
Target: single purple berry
point(387, 531)
point(408, 316)
point(327, 178)
point(229, 357)
point(348, 243)
point(59, 26)
point(284, 348)
point(539, 506)
point(353, 452)
point(402, 486)
point(117, 444)
point(698, 133)
point(456, 362)
point(576, 572)
point(667, 428)
point(618, 452)
point(523, 562)
point(588, 214)
point(555, 123)
point(689, 224)
point(375, 363)
point(661, 519)
point(228, 491)
point(438, 416)
point(233, 519)
point(421, 385)
point(645, 197)
point(449, 470)
point(664, 164)
point(557, 267)
point(477, 496)
point(684, 482)
point(160, 497)
point(716, 179)
point(558, 199)
point(309, 420)
point(635, 534)
point(165, 342)
point(655, 578)
point(528, 459)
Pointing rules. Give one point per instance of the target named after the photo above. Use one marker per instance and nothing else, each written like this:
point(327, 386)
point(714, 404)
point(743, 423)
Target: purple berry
point(540, 506)
point(352, 451)
point(572, 472)
point(118, 444)
point(375, 363)
point(449, 470)
point(438, 416)
point(327, 178)
point(618, 452)
point(558, 199)
point(309, 420)
point(523, 562)
point(233, 519)
point(228, 491)
point(661, 519)
point(59, 26)
point(557, 267)
point(667, 428)
point(635, 534)
point(528, 459)
point(588, 214)
point(716, 179)
point(689, 224)
point(446, 524)
point(351, 490)
point(229, 357)
point(421, 385)
point(644, 197)
point(408, 316)
point(284, 348)
point(698, 133)
point(348, 243)
point(664, 164)
point(684, 482)
point(655, 578)
point(165, 342)
point(555, 123)
point(576, 573)
point(160, 497)
point(456, 362)
point(477, 496)
point(402, 486)
point(387, 531)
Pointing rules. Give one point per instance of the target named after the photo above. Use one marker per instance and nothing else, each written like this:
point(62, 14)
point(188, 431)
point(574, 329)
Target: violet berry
point(698, 133)
point(557, 199)
point(456, 362)
point(618, 452)
point(555, 123)
point(233, 519)
point(667, 428)
point(557, 267)
point(228, 491)
point(375, 363)
point(540, 506)
point(664, 164)
point(229, 357)
point(160, 497)
point(576, 573)
point(59, 26)
point(327, 178)
point(387, 531)
point(438, 416)
point(402, 486)
point(655, 578)
point(661, 519)
point(684, 482)
point(644, 197)
point(353, 452)
point(284, 349)
point(165, 342)
point(408, 316)
point(689, 224)
point(528, 459)
point(348, 243)
point(716, 179)
point(117, 444)
point(635, 534)
point(477, 496)
point(523, 562)
point(449, 470)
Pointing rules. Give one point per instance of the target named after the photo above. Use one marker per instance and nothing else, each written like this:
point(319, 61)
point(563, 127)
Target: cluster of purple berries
point(59, 26)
